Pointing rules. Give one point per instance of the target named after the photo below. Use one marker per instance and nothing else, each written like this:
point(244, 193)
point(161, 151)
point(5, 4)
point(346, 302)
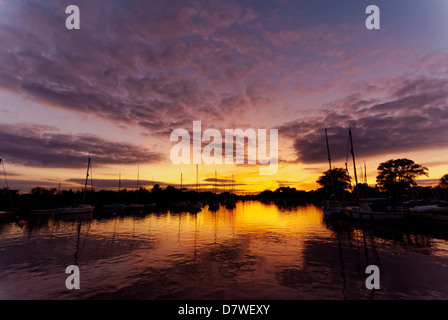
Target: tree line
point(396, 179)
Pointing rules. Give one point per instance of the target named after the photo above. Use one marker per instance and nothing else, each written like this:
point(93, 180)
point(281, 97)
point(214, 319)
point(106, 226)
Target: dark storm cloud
point(151, 63)
point(41, 146)
point(413, 116)
point(133, 63)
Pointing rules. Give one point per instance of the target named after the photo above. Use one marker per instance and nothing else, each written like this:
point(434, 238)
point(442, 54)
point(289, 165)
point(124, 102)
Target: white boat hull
point(46, 211)
point(6, 214)
point(433, 208)
point(328, 211)
point(80, 209)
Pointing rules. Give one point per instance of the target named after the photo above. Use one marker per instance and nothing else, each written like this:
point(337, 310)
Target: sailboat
point(114, 207)
point(80, 207)
point(6, 214)
point(332, 206)
point(135, 207)
point(371, 209)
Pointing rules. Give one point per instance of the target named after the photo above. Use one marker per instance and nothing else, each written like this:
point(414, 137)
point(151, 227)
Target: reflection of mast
point(133, 235)
point(366, 253)
point(340, 238)
point(77, 243)
point(196, 232)
point(178, 231)
point(360, 237)
point(216, 229)
point(115, 229)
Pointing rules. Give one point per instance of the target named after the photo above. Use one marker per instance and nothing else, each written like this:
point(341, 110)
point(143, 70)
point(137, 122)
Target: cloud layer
point(40, 146)
point(157, 66)
point(411, 115)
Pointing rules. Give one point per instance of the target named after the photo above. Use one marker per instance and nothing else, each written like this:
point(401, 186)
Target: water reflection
point(254, 251)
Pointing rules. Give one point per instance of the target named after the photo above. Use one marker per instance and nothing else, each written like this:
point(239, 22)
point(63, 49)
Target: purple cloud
point(413, 116)
point(42, 146)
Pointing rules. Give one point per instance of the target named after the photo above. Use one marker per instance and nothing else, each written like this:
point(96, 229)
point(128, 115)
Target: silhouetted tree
point(339, 177)
point(397, 177)
point(43, 191)
point(444, 182)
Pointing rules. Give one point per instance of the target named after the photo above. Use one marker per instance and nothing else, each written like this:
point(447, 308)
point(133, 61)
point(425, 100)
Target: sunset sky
point(136, 70)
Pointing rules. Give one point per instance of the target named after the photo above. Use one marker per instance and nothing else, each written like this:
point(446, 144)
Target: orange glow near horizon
point(246, 178)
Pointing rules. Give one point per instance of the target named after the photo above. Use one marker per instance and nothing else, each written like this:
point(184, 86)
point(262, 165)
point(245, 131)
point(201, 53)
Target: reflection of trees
point(361, 244)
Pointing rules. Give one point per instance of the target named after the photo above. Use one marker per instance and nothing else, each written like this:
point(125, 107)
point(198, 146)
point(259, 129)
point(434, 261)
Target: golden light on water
point(256, 250)
point(254, 228)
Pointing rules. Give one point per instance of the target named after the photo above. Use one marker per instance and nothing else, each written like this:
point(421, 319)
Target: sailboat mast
point(333, 189)
point(7, 186)
point(119, 186)
point(365, 180)
point(354, 164)
point(328, 148)
point(365, 173)
point(87, 179)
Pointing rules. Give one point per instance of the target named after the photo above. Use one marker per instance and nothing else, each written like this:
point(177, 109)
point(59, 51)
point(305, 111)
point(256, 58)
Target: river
point(254, 251)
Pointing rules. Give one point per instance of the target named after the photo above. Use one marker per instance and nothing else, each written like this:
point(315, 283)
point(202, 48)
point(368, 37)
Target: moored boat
point(436, 212)
point(134, 208)
point(331, 208)
point(46, 211)
point(178, 206)
point(375, 210)
point(9, 213)
point(78, 208)
point(113, 208)
point(430, 208)
point(150, 206)
point(6, 214)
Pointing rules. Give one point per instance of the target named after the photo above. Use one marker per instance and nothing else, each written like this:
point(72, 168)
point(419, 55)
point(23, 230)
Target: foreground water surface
point(255, 251)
